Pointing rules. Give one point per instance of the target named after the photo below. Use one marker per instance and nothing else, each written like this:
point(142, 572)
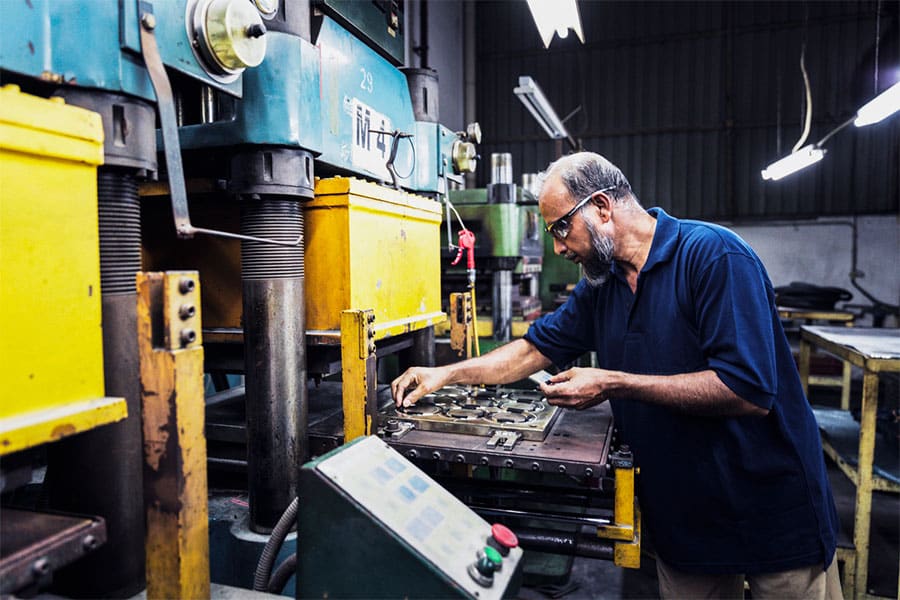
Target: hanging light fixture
point(555, 16)
point(793, 162)
point(879, 108)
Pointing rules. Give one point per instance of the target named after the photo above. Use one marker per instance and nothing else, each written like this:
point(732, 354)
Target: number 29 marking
point(366, 82)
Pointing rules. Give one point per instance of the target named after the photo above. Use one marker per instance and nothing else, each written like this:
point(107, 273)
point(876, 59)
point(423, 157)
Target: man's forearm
point(506, 364)
point(700, 393)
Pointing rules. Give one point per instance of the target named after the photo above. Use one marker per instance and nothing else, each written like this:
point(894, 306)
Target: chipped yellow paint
point(175, 483)
point(357, 372)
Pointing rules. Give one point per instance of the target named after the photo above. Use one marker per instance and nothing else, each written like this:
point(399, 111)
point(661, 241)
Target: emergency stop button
point(502, 538)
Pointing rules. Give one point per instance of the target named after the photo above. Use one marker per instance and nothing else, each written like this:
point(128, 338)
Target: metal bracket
point(396, 136)
point(395, 429)
point(461, 323)
point(165, 103)
point(506, 440)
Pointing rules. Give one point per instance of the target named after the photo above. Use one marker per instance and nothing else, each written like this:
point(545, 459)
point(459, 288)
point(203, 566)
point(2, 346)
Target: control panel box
point(373, 525)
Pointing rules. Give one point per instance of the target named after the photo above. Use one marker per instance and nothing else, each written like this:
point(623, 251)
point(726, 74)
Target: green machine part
point(502, 231)
point(373, 525)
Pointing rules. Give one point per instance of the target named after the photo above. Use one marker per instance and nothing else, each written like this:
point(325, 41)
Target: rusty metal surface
point(33, 545)
point(577, 444)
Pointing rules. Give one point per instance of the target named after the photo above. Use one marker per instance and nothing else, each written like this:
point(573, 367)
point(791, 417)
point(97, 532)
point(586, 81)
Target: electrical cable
point(475, 322)
point(272, 547)
point(282, 574)
point(808, 119)
point(458, 218)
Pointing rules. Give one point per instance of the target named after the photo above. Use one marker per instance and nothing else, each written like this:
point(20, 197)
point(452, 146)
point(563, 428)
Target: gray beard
point(597, 265)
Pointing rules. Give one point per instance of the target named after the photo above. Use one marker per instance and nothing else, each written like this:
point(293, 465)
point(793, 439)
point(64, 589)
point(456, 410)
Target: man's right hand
point(416, 382)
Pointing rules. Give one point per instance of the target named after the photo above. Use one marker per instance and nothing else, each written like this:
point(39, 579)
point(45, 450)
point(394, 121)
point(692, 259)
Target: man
point(702, 384)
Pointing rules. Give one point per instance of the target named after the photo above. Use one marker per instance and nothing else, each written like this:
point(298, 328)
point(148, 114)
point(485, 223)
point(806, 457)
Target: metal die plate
point(577, 444)
point(480, 412)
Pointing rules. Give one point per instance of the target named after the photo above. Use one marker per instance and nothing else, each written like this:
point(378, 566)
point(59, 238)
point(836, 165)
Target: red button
point(503, 536)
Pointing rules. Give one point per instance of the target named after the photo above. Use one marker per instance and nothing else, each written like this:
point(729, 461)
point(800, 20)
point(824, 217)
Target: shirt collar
point(665, 241)
point(665, 238)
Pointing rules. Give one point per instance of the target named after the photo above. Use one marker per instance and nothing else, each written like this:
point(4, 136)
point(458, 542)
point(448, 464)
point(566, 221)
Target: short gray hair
point(583, 173)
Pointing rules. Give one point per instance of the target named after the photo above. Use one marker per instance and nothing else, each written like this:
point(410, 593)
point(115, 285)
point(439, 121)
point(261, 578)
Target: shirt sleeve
point(734, 314)
point(568, 332)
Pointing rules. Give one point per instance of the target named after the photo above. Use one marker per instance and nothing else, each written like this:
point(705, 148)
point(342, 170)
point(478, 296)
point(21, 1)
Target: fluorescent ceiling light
point(882, 106)
point(555, 16)
point(539, 107)
point(792, 163)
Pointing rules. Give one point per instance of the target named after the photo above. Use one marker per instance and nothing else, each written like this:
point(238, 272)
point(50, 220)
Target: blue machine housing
point(67, 42)
point(281, 104)
point(361, 92)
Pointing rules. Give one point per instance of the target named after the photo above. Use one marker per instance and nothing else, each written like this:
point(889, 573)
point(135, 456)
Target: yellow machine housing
point(372, 247)
point(51, 347)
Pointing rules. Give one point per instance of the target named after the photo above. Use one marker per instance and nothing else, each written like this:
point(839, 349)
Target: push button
point(486, 562)
point(502, 539)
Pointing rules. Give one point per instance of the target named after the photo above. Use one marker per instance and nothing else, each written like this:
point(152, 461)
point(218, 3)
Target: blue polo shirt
point(717, 494)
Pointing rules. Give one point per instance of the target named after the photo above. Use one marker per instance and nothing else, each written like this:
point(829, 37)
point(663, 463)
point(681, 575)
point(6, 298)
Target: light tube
point(792, 163)
point(555, 16)
point(880, 107)
point(539, 107)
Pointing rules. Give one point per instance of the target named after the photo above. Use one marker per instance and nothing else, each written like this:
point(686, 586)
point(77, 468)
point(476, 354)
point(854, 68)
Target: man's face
point(582, 243)
point(598, 263)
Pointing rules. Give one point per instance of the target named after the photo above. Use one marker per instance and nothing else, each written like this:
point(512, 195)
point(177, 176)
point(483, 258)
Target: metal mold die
point(479, 411)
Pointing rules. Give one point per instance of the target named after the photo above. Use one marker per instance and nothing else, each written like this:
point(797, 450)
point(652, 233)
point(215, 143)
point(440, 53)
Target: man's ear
point(604, 204)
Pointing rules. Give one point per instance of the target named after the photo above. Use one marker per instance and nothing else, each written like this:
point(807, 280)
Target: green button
point(493, 556)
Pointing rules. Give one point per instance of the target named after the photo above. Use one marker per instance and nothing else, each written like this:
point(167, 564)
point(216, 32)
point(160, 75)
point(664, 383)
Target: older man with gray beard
point(702, 383)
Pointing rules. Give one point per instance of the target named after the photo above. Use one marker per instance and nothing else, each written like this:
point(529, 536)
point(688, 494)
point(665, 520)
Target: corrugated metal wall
point(692, 99)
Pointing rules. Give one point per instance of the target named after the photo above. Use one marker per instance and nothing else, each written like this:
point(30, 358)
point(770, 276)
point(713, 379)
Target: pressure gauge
point(465, 158)
point(227, 35)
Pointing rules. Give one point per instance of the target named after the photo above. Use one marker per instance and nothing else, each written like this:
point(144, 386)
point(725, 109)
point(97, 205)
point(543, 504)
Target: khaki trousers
point(807, 583)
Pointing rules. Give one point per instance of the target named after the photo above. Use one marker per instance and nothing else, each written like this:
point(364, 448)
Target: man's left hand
point(577, 388)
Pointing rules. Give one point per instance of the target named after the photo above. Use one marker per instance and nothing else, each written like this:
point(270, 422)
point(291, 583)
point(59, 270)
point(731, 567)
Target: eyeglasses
point(560, 227)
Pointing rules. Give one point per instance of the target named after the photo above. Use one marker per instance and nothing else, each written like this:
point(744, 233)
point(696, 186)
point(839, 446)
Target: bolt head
point(148, 21)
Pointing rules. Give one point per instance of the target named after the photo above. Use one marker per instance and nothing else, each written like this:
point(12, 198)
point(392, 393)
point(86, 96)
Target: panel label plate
point(370, 150)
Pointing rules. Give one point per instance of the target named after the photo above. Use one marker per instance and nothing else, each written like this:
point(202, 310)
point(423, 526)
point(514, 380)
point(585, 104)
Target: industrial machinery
point(369, 510)
point(555, 477)
point(508, 249)
point(275, 155)
point(107, 60)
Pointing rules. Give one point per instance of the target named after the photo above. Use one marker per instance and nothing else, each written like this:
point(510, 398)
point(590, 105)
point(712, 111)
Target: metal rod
point(554, 517)
point(569, 544)
point(275, 358)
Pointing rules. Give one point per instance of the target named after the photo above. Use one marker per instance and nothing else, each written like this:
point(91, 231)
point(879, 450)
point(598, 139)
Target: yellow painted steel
point(51, 354)
point(374, 247)
point(486, 328)
point(873, 359)
point(175, 482)
point(358, 372)
point(627, 527)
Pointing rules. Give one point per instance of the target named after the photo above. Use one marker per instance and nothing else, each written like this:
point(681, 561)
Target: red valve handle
point(466, 242)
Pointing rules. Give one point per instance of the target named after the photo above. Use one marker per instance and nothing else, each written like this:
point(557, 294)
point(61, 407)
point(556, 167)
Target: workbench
point(875, 351)
point(810, 316)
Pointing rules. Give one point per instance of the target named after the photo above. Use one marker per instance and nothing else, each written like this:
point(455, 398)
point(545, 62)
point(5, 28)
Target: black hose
point(282, 574)
point(273, 546)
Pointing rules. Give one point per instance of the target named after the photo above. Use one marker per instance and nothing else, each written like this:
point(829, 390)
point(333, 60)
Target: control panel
point(420, 539)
